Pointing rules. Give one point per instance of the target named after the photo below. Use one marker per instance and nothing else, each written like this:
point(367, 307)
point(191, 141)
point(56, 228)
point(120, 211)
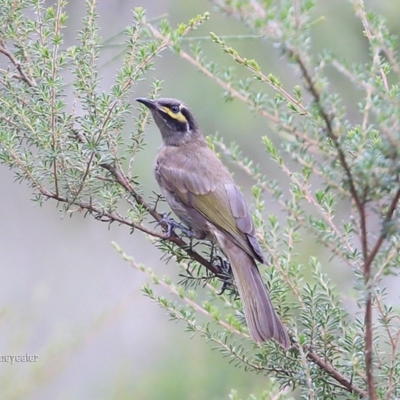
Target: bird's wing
point(221, 204)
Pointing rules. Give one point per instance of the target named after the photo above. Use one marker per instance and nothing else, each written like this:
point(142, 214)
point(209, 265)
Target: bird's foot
point(171, 225)
point(225, 274)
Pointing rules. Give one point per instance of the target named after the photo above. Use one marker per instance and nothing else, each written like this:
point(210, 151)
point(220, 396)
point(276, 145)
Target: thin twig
point(394, 342)
point(382, 236)
point(187, 300)
point(22, 75)
point(374, 35)
point(273, 118)
point(329, 369)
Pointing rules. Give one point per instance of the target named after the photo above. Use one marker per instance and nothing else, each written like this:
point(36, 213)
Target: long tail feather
point(261, 317)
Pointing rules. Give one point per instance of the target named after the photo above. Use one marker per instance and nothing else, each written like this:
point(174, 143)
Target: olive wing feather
point(221, 204)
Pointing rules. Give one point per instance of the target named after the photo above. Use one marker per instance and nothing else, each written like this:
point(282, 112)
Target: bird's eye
point(175, 109)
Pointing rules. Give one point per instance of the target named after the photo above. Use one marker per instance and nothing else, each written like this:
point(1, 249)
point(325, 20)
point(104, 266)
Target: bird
point(201, 191)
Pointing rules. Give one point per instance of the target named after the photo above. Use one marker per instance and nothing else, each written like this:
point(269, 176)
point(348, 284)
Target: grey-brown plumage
point(202, 193)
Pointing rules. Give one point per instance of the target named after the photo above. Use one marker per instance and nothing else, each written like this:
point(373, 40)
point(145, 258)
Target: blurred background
point(68, 297)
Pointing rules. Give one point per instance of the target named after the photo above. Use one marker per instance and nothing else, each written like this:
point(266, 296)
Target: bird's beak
point(150, 104)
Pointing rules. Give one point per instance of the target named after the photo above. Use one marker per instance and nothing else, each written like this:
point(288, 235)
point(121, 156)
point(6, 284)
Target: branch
point(360, 205)
point(238, 95)
point(22, 75)
point(124, 182)
point(252, 66)
point(114, 217)
point(330, 370)
point(382, 236)
point(368, 257)
point(330, 133)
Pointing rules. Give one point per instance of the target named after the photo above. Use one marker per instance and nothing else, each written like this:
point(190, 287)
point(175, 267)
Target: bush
point(77, 155)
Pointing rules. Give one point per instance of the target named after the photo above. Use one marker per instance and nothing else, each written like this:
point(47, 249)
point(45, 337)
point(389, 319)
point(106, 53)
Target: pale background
point(67, 296)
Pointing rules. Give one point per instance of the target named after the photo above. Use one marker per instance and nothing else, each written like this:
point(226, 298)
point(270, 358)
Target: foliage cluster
point(76, 154)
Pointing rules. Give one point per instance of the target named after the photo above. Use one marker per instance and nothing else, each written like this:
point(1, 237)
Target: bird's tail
point(262, 320)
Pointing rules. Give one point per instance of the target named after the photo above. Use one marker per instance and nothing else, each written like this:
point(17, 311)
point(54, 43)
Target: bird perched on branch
point(201, 192)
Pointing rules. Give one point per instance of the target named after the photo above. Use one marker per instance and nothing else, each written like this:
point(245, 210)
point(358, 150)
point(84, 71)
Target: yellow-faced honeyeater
point(201, 192)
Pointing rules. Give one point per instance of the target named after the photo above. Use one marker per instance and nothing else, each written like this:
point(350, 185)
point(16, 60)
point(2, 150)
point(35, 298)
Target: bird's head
point(174, 120)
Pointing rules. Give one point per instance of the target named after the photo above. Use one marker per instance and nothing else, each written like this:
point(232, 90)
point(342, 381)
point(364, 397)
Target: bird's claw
point(225, 274)
point(172, 224)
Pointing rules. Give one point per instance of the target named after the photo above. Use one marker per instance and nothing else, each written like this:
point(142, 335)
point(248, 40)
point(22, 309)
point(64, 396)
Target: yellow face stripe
point(180, 117)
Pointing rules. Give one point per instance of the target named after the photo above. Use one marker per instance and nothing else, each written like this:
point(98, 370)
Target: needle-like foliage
point(75, 153)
